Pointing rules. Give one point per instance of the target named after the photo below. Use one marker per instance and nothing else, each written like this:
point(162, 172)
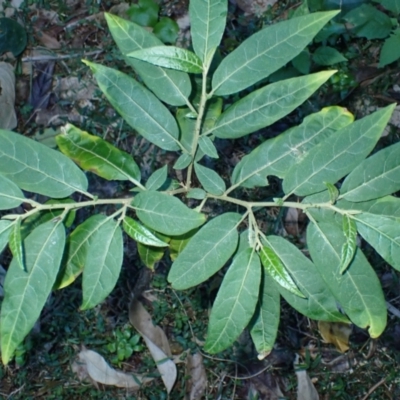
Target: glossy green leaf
point(326, 55)
point(264, 325)
point(37, 168)
point(319, 302)
point(350, 245)
point(150, 255)
point(266, 51)
point(26, 292)
point(157, 178)
point(178, 243)
point(267, 105)
point(276, 156)
point(183, 161)
point(358, 291)
point(172, 87)
point(210, 180)
point(166, 214)
point(103, 264)
point(206, 253)
point(377, 176)
point(277, 270)
point(94, 154)
point(196, 193)
point(383, 234)
point(11, 195)
point(141, 234)
point(207, 19)
point(333, 192)
point(5, 227)
point(388, 206)
point(15, 243)
point(167, 30)
point(235, 303)
point(138, 106)
point(207, 147)
point(336, 156)
point(170, 57)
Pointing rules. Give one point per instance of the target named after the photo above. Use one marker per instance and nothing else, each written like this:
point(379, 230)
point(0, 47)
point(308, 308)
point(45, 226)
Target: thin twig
point(370, 391)
point(60, 56)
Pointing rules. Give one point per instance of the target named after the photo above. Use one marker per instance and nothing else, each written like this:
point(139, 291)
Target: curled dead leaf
point(197, 383)
point(337, 333)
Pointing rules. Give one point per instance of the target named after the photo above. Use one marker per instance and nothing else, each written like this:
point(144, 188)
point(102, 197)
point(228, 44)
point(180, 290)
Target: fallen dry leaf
point(196, 385)
point(8, 119)
point(305, 388)
point(337, 333)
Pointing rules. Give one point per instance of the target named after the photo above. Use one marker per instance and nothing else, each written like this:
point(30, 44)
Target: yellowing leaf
point(337, 333)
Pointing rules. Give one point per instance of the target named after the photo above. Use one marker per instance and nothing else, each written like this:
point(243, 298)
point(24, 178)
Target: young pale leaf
point(15, 243)
point(336, 156)
point(157, 178)
point(358, 290)
point(77, 247)
point(170, 57)
point(207, 147)
point(141, 234)
point(265, 322)
point(383, 234)
point(26, 291)
point(333, 192)
point(207, 20)
point(350, 245)
point(377, 176)
point(5, 227)
point(206, 253)
point(267, 105)
point(266, 51)
point(103, 264)
point(172, 87)
point(37, 168)
point(94, 154)
point(277, 270)
point(138, 106)
point(196, 193)
point(276, 156)
point(319, 302)
point(388, 206)
point(212, 113)
point(150, 255)
point(166, 214)
point(183, 161)
point(11, 195)
point(178, 243)
point(210, 180)
point(235, 302)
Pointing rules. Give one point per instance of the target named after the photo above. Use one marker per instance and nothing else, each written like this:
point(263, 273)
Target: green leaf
point(358, 290)
point(166, 214)
point(196, 193)
point(235, 302)
point(178, 243)
point(333, 192)
point(388, 206)
point(326, 55)
point(377, 176)
point(5, 227)
point(207, 147)
point(167, 30)
point(144, 13)
point(267, 105)
point(150, 255)
point(172, 87)
point(26, 292)
point(103, 264)
point(276, 156)
point(390, 51)
point(183, 161)
point(302, 62)
point(187, 126)
point(350, 245)
point(157, 178)
point(10, 194)
point(15, 243)
point(266, 51)
point(170, 57)
point(37, 168)
point(210, 180)
point(94, 154)
point(319, 302)
point(273, 265)
point(207, 19)
point(391, 5)
point(12, 36)
point(207, 252)
point(264, 325)
point(212, 113)
point(383, 234)
point(337, 155)
point(138, 106)
point(141, 234)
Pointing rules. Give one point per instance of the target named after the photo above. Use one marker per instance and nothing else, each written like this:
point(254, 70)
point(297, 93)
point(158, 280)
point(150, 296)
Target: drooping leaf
point(5, 227)
point(94, 154)
point(235, 303)
point(26, 291)
point(172, 87)
point(207, 147)
point(210, 180)
point(15, 243)
point(11, 195)
point(183, 161)
point(37, 168)
point(207, 20)
point(178, 243)
point(166, 214)
point(337, 155)
point(138, 106)
point(157, 178)
point(358, 291)
point(266, 51)
point(103, 264)
point(206, 253)
point(377, 176)
point(265, 322)
point(170, 57)
point(350, 245)
point(276, 156)
point(326, 55)
point(267, 105)
point(141, 234)
point(150, 255)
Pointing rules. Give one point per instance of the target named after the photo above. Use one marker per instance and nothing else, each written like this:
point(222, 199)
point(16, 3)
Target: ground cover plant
point(311, 160)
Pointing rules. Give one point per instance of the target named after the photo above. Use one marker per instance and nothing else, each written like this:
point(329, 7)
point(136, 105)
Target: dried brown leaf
point(305, 388)
point(337, 333)
point(197, 383)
